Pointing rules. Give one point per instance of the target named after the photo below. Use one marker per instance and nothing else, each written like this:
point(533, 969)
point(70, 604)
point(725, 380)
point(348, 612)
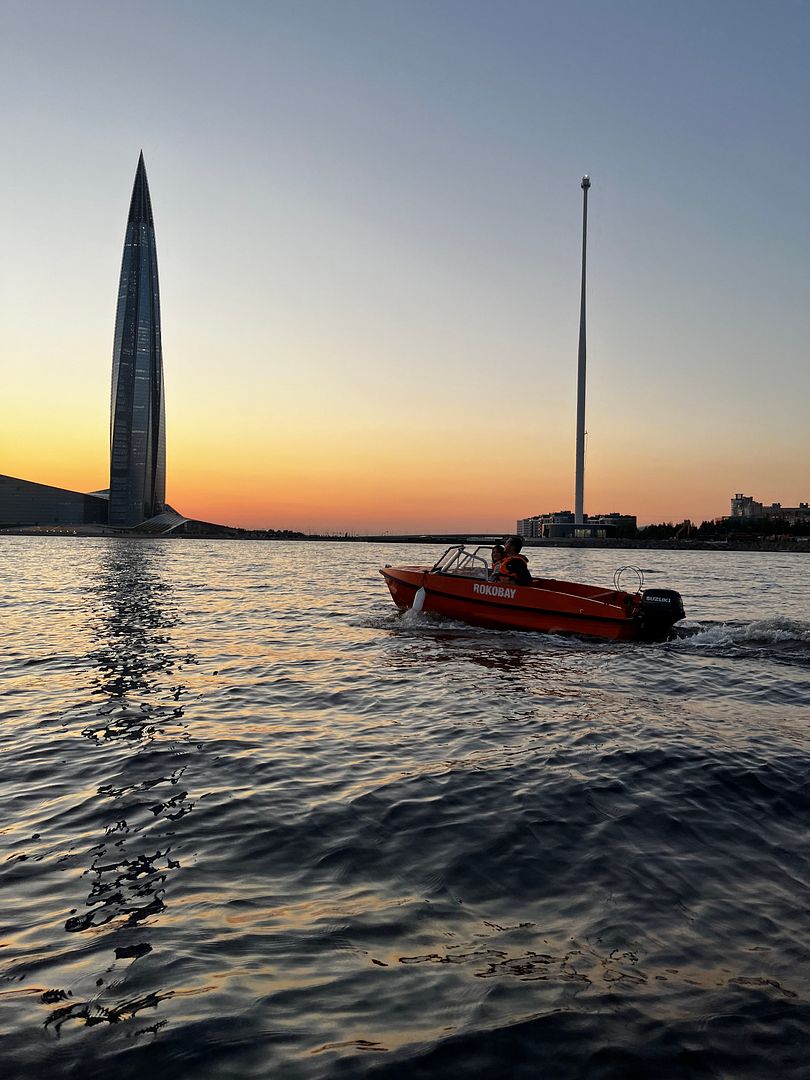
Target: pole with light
point(579, 496)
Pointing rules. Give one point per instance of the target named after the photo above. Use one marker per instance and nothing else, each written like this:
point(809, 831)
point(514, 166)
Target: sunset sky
point(368, 225)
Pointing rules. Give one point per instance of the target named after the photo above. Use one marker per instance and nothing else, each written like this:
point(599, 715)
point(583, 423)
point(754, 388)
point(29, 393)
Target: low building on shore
point(23, 502)
point(562, 525)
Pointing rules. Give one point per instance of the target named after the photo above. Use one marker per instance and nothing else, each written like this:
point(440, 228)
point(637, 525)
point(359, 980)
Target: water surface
point(256, 823)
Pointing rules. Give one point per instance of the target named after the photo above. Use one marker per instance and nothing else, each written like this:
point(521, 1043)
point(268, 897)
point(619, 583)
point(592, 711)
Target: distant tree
point(665, 531)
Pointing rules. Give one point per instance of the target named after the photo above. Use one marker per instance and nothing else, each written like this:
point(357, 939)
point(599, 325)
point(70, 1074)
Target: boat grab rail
point(603, 597)
point(613, 598)
point(462, 563)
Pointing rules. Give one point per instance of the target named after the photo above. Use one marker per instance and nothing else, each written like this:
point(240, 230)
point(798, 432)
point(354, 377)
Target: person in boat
point(514, 567)
point(498, 552)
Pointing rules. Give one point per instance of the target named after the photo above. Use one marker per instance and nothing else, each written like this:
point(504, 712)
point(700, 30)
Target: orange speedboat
point(458, 586)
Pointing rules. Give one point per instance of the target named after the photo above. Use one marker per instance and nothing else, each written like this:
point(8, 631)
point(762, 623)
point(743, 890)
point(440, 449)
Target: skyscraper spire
point(137, 408)
point(140, 206)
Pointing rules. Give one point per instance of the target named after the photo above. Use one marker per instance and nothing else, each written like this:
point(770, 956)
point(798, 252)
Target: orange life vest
point(507, 572)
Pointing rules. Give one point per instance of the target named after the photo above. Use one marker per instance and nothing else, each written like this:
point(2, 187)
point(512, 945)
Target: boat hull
point(547, 605)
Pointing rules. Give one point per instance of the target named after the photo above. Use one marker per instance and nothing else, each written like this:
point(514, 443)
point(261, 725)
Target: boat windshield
point(457, 560)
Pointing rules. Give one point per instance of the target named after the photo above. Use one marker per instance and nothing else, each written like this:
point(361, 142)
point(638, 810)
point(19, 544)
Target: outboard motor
point(658, 611)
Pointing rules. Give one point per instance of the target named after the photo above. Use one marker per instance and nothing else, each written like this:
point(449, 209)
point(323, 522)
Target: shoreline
point(801, 545)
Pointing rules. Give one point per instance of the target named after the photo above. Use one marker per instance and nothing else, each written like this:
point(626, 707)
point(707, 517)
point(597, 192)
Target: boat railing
point(458, 561)
point(632, 571)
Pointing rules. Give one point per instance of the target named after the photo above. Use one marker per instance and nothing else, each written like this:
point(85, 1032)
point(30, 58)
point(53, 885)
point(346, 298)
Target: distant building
point(622, 524)
point(540, 524)
point(137, 492)
point(25, 503)
point(746, 508)
point(562, 525)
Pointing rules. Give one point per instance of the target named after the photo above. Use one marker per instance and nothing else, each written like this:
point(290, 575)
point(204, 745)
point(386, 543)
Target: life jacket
point(515, 568)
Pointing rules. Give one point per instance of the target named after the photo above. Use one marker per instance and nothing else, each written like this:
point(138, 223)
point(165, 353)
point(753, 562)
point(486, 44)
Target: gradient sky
point(368, 223)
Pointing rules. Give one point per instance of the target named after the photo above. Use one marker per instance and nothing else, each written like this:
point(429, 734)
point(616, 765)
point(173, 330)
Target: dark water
point(257, 824)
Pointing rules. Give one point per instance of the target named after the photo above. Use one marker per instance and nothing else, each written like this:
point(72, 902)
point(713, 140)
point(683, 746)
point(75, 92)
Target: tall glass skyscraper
point(137, 408)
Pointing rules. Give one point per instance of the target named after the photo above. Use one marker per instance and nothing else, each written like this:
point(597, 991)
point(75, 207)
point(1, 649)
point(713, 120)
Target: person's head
point(513, 544)
point(498, 552)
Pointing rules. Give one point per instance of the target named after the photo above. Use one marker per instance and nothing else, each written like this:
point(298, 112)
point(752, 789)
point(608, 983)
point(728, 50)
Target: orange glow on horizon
point(365, 485)
point(319, 463)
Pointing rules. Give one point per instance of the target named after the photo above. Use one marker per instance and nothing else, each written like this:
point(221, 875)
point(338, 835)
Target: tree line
point(726, 529)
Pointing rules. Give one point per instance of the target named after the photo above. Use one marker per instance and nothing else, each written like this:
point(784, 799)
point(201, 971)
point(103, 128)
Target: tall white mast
point(579, 497)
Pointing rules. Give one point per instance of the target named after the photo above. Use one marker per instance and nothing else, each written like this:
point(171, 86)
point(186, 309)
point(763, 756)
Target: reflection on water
point(93, 1012)
point(135, 609)
point(137, 727)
